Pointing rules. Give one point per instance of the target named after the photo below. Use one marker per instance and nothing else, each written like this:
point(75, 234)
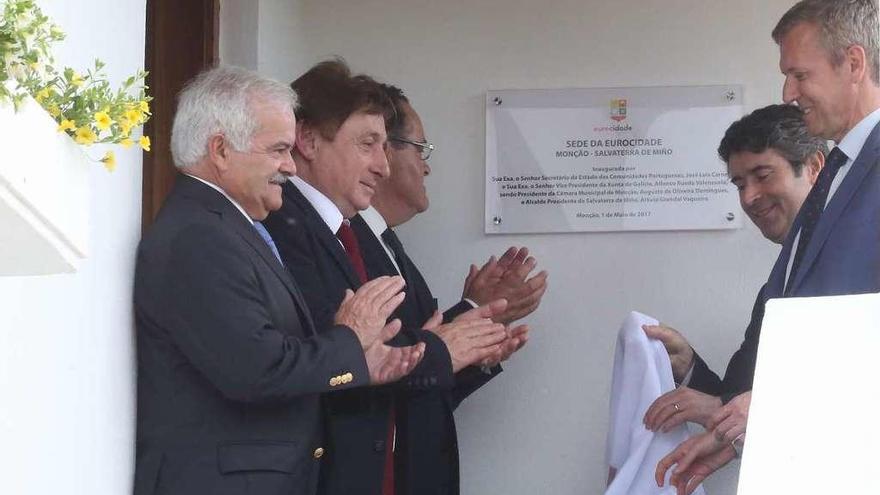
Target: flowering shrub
point(85, 105)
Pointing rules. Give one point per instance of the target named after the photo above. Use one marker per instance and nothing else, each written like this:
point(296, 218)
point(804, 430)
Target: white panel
point(44, 194)
point(67, 367)
point(814, 403)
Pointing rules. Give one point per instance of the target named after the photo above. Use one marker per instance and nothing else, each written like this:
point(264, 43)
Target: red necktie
point(353, 249)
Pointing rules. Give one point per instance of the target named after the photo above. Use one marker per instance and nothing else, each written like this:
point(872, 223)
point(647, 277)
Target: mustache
point(279, 178)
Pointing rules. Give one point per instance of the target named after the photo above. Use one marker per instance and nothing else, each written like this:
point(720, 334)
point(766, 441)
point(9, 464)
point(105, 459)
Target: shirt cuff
point(687, 377)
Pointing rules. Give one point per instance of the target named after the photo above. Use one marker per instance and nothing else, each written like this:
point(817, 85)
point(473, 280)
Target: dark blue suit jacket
point(431, 463)
point(230, 365)
point(356, 420)
point(843, 257)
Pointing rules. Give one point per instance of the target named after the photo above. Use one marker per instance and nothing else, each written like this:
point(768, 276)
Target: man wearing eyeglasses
point(434, 459)
point(402, 196)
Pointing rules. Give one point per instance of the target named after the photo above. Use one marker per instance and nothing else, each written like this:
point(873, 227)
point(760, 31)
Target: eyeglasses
point(425, 148)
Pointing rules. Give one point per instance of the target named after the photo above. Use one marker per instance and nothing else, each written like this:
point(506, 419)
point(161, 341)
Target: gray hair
point(842, 23)
point(219, 101)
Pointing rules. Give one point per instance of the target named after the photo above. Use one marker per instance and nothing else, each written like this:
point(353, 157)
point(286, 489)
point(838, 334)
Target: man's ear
point(218, 152)
point(857, 61)
point(306, 141)
point(813, 165)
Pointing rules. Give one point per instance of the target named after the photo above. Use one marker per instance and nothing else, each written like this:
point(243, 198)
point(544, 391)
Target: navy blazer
point(432, 462)
point(357, 420)
point(843, 257)
point(230, 366)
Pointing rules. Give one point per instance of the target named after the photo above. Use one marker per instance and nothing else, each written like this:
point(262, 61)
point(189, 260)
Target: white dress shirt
point(326, 209)
point(376, 222)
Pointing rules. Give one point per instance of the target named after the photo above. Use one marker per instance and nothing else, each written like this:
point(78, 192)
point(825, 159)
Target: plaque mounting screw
point(730, 217)
point(497, 100)
point(730, 95)
point(496, 221)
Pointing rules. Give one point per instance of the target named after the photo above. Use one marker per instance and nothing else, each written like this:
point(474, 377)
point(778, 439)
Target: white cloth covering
point(642, 373)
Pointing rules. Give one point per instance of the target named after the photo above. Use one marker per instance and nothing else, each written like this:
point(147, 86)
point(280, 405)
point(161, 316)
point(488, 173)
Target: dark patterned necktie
point(393, 242)
point(813, 207)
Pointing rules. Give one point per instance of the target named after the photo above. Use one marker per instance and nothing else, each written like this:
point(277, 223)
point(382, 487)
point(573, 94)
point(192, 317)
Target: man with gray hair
point(230, 364)
point(829, 55)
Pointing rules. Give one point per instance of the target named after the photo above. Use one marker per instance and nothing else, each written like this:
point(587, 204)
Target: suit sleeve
point(434, 371)
point(453, 312)
point(216, 313)
point(740, 371)
point(704, 379)
point(468, 380)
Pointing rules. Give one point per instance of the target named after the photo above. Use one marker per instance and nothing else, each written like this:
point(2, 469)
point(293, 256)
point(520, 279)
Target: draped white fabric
point(642, 373)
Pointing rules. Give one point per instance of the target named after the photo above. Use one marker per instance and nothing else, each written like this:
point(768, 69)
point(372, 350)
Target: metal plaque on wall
point(614, 159)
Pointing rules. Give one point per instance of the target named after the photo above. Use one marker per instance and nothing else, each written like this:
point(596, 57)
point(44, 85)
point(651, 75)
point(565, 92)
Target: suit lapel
point(775, 285)
point(377, 260)
point(233, 218)
point(327, 239)
point(416, 283)
point(414, 310)
point(253, 239)
point(863, 164)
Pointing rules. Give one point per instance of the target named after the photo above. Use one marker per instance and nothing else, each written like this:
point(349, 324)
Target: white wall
point(264, 35)
point(540, 427)
point(66, 341)
point(239, 26)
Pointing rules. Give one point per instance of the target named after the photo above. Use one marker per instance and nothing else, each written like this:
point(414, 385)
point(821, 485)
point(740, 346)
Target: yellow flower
point(54, 110)
point(66, 125)
point(125, 126)
point(144, 107)
point(109, 161)
point(103, 121)
point(144, 141)
point(42, 95)
point(133, 116)
point(85, 135)
point(126, 143)
point(76, 80)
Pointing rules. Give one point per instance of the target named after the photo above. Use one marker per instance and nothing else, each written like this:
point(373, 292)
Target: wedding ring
point(676, 407)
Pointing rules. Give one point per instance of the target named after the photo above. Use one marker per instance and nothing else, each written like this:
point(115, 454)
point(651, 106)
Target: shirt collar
point(375, 221)
point(855, 139)
point(221, 191)
point(325, 208)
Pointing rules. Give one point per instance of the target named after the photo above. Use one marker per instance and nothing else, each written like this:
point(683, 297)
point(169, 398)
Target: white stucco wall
point(540, 427)
point(66, 341)
point(264, 35)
